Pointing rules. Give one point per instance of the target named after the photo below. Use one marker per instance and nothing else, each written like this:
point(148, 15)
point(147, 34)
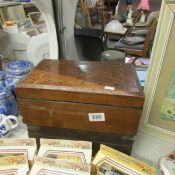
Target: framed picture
point(158, 116)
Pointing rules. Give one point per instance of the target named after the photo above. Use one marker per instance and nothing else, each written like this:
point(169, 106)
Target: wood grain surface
point(123, 144)
point(75, 116)
point(83, 82)
point(62, 93)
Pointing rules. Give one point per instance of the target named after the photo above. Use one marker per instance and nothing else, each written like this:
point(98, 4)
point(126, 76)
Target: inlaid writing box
point(92, 96)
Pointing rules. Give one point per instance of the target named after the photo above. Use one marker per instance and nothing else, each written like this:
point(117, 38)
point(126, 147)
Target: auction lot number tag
point(96, 117)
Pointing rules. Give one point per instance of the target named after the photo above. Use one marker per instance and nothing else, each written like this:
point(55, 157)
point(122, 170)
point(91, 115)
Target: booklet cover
point(15, 147)
point(47, 166)
point(70, 150)
point(15, 165)
point(110, 161)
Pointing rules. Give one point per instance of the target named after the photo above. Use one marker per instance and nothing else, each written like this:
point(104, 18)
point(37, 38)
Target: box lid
point(106, 83)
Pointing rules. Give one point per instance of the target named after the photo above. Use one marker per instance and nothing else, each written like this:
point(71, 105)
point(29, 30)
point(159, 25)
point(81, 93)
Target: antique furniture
point(97, 101)
point(141, 49)
point(149, 20)
point(114, 53)
point(85, 10)
point(118, 30)
point(89, 43)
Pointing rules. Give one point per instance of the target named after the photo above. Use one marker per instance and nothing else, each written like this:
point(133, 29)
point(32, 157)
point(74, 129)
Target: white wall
point(150, 148)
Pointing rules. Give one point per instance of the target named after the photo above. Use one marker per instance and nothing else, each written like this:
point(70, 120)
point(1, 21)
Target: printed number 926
point(96, 117)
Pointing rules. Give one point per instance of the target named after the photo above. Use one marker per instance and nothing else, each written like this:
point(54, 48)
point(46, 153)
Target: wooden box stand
point(60, 97)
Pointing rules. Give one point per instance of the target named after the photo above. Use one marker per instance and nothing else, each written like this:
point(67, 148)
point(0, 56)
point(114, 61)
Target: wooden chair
point(115, 36)
point(137, 50)
point(148, 21)
point(140, 49)
point(136, 19)
point(85, 10)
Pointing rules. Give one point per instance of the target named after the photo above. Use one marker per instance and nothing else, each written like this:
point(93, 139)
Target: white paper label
point(110, 88)
point(96, 117)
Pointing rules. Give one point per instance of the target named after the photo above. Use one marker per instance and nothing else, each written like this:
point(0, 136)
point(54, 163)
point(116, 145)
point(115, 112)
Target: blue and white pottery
point(7, 124)
point(8, 103)
point(16, 71)
point(19, 67)
point(2, 78)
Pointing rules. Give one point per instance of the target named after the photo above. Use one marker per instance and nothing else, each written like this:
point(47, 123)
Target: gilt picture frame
point(158, 117)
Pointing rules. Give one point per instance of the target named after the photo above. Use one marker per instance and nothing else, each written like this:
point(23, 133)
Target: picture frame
point(159, 80)
point(36, 18)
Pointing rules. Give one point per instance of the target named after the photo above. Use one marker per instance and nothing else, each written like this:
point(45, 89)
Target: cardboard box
point(43, 166)
point(70, 150)
point(110, 161)
point(15, 165)
point(15, 147)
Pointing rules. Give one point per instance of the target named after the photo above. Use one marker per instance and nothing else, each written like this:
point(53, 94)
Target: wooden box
point(62, 94)
point(118, 142)
point(56, 99)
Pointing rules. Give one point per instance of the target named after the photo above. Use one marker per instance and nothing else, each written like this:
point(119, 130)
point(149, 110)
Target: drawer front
point(76, 116)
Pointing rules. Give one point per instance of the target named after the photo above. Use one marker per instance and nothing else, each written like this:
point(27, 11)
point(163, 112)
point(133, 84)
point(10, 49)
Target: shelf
point(8, 4)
